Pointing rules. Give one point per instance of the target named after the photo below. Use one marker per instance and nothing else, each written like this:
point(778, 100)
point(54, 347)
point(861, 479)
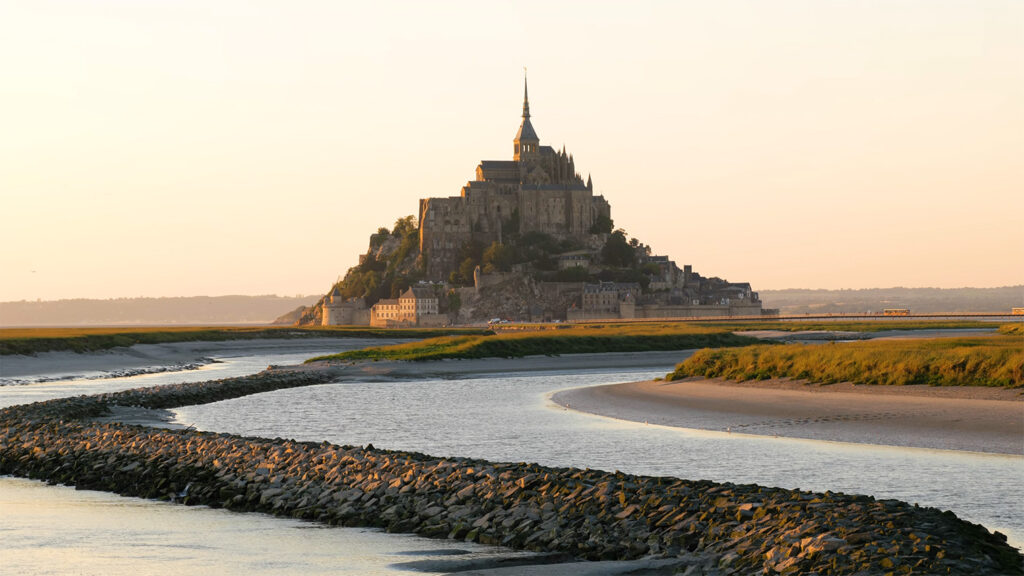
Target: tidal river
point(503, 417)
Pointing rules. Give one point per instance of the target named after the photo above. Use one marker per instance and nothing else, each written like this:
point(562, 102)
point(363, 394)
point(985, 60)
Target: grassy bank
point(35, 340)
point(1012, 329)
point(619, 338)
point(880, 325)
point(986, 361)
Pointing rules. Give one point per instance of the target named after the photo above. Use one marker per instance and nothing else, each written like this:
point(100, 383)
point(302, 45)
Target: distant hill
point(918, 300)
point(151, 311)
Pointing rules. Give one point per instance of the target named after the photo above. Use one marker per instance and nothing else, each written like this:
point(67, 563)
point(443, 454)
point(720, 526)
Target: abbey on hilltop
point(538, 190)
point(526, 240)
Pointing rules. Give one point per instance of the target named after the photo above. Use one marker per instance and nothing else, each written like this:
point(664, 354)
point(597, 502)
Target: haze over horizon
point(317, 295)
point(176, 149)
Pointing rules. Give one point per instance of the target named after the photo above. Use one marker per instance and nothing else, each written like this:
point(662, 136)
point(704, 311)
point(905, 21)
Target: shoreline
point(715, 528)
point(392, 369)
point(18, 369)
point(975, 419)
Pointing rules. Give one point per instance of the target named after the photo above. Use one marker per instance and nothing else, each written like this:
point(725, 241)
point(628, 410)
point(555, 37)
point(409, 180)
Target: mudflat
point(977, 419)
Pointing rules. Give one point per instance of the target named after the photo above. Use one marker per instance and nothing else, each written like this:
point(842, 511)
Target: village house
point(418, 306)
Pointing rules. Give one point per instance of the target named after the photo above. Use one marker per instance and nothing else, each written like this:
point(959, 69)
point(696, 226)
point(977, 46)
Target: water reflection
point(508, 418)
point(52, 530)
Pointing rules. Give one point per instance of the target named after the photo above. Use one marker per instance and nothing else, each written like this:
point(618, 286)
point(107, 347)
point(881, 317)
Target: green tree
point(602, 225)
point(499, 257)
point(404, 226)
point(466, 270)
point(652, 269)
point(617, 251)
point(379, 238)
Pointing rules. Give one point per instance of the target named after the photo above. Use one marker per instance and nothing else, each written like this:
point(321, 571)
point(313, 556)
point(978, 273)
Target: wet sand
point(399, 369)
point(974, 419)
point(142, 358)
point(152, 417)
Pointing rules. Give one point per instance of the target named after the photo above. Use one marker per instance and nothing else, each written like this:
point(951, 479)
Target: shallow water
point(509, 418)
point(57, 530)
point(233, 359)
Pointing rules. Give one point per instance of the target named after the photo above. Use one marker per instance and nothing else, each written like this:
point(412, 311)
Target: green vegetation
point(576, 340)
point(985, 361)
point(498, 257)
point(375, 279)
point(538, 253)
point(880, 325)
point(35, 340)
point(602, 225)
point(617, 251)
point(1016, 329)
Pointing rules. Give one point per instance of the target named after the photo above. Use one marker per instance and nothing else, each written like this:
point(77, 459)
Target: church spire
point(526, 143)
point(526, 97)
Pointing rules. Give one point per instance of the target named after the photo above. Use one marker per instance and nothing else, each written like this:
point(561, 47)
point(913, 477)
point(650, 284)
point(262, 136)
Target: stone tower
point(538, 190)
point(527, 144)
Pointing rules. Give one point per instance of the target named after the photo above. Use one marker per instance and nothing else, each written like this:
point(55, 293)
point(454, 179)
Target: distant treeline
point(918, 300)
point(192, 310)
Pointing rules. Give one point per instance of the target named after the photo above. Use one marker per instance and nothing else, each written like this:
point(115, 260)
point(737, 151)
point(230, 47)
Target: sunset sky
point(175, 148)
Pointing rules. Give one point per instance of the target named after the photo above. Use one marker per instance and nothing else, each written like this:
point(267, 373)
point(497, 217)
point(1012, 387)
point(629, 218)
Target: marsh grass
point(576, 340)
point(880, 325)
point(984, 361)
point(1016, 329)
point(35, 340)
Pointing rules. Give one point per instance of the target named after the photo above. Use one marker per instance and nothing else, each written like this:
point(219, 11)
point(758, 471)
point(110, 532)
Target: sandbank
point(144, 358)
point(977, 419)
point(400, 369)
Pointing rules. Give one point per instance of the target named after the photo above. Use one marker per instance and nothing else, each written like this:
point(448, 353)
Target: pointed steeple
point(526, 141)
point(526, 97)
point(590, 183)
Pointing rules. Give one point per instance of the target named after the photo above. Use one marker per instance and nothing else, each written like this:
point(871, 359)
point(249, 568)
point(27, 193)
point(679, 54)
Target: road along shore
point(713, 528)
point(977, 419)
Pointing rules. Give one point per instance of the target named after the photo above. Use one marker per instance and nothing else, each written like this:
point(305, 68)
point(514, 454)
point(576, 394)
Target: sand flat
point(953, 418)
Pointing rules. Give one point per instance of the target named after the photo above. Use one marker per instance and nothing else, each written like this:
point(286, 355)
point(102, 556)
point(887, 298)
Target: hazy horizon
point(318, 295)
point(177, 149)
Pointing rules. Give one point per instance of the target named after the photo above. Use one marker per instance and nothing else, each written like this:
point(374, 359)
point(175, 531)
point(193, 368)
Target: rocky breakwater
point(584, 514)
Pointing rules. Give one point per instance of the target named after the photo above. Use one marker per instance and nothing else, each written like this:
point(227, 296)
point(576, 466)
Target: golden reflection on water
point(59, 531)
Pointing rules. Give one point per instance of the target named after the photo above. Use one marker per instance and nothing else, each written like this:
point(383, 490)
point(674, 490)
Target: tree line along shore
point(710, 528)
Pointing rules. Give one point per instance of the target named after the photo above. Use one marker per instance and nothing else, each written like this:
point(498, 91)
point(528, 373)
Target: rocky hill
point(390, 265)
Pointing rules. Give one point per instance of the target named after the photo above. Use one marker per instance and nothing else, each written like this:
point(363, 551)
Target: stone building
point(576, 259)
point(538, 190)
point(606, 296)
point(340, 312)
point(417, 306)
